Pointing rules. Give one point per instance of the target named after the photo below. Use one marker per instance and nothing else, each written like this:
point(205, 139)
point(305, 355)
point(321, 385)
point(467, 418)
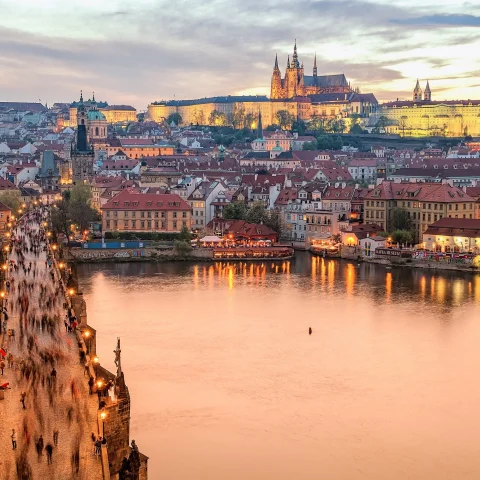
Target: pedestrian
point(14, 439)
point(91, 382)
point(55, 436)
point(98, 446)
point(22, 399)
point(49, 450)
point(2, 366)
point(53, 374)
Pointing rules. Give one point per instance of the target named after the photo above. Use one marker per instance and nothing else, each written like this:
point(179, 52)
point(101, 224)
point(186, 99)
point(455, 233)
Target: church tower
point(276, 87)
point(294, 76)
point(82, 155)
point(315, 67)
point(417, 93)
point(427, 94)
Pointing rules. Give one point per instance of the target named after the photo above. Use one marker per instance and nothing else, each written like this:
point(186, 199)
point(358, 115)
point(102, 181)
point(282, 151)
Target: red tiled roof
point(7, 185)
point(131, 200)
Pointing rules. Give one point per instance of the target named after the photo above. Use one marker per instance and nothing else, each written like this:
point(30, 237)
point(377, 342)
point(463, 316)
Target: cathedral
point(297, 84)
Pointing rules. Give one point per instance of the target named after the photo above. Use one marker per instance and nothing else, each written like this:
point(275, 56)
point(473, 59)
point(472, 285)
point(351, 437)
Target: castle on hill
point(297, 84)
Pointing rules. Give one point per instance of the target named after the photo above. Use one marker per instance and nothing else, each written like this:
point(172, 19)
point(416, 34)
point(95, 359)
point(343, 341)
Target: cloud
point(441, 20)
point(144, 51)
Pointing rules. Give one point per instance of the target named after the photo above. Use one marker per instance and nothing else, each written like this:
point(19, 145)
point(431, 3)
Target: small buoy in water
point(310, 330)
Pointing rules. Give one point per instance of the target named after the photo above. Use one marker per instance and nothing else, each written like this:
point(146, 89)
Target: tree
point(317, 124)
point(404, 237)
point(256, 213)
point(329, 142)
point(79, 208)
point(235, 211)
point(310, 146)
point(338, 126)
point(285, 119)
point(175, 117)
point(356, 129)
point(400, 219)
point(11, 198)
point(182, 247)
point(217, 118)
point(382, 123)
point(299, 127)
point(61, 216)
point(238, 115)
point(402, 124)
point(249, 121)
point(185, 234)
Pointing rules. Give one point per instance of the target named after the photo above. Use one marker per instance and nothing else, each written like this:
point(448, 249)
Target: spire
point(315, 65)
point(93, 97)
point(417, 93)
point(427, 97)
point(288, 62)
point(276, 62)
point(260, 126)
point(295, 56)
point(81, 96)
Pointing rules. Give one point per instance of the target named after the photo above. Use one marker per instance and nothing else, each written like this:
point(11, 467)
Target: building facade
point(424, 203)
point(146, 212)
point(426, 117)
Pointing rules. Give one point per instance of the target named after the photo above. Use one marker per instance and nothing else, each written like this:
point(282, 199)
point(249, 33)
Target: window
point(134, 224)
point(142, 214)
point(149, 224)
point(125, 214)
point(184, 214)
point(134, 214)
point(156, 224)
point(163, 224)
point(142, 224)
point(163, 214)
point(149, 214)
point(156, 214)
point(174, 214)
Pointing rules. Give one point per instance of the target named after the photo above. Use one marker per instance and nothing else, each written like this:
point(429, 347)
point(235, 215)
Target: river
point(227, 384)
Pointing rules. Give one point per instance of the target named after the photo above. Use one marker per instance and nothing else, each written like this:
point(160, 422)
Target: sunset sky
point(146, 50)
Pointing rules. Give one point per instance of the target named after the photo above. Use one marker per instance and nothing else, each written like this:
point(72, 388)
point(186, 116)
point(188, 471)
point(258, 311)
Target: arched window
point(83, 121)
point(96, 131)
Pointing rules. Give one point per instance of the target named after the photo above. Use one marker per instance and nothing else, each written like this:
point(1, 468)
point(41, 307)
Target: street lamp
point(103, 416)
point(71, 292)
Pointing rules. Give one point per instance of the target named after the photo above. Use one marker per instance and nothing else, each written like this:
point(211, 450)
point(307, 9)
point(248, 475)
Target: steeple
point(288, 62)
point(93, 97)
point(81, 96)
point(275, 68)
point(315, 65)
point(417, 93)
point(295, 56)
point(427, 97)
point(260, 126)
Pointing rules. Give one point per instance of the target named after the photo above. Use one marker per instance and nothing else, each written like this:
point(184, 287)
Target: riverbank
point(168, 255)
point(351, 254)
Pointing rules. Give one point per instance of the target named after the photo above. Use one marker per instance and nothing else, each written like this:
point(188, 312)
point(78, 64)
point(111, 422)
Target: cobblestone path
point(73, 415)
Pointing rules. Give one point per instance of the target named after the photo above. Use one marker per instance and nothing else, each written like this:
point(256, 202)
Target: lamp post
point(103, 416)
point(86, 334)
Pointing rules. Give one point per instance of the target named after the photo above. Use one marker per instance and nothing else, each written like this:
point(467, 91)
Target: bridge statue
point(118, 363)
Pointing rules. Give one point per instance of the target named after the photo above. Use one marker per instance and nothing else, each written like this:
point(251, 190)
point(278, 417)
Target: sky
point(136, 52)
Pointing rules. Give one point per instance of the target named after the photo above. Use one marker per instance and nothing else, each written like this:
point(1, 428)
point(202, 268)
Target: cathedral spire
point(275, 68)
point(93, 96)
point(81, 96)
point(295, 56)
point(315, 65)
point(288, 62)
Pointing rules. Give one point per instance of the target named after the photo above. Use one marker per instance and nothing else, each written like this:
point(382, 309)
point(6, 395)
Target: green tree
point(338, 126)
point(400, 219)
point(235, 211)
point(185, 234)
point(285, 119)
point(317, 124)
point(299, 127)
point(60, 215)
point(256, 213)
point(403, 237)
point(383, 122)
point(79, 208)
point(182, 247)
point(356, 129)
point(310, 146)
point(176, 118)
point(11, 198)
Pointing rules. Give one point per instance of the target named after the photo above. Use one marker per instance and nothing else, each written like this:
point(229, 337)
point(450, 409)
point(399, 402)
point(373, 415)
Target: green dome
point(95, 115)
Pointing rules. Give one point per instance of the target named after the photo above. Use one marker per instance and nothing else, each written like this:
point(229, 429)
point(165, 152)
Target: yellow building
point(119, 113)
point(425, 203)
point(424, 117)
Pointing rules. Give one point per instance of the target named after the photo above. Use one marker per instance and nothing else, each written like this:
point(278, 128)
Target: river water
point(227, 384)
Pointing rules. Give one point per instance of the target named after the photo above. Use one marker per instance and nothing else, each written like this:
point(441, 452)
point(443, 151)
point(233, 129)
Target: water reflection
point(222, 371)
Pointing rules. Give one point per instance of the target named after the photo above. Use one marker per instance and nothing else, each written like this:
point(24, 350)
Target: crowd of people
point(39, 357)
